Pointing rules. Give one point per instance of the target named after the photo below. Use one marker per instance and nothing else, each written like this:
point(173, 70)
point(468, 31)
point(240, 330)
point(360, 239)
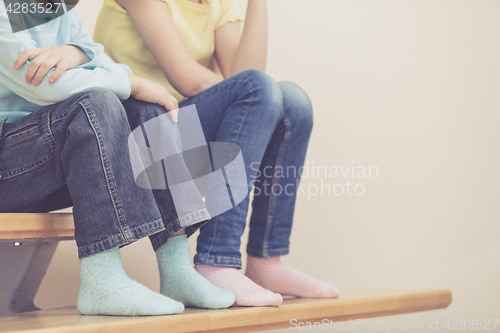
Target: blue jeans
point(76, 153)
point(272, 123)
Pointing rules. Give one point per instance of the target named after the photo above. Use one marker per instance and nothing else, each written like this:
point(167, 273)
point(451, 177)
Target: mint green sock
point(105, 289)
point(180, 281)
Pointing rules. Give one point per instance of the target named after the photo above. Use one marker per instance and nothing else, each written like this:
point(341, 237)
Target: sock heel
point(83, 304)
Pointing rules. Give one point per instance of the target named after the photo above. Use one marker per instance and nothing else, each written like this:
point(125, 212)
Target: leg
point(81, 143)
point(244, 109)
point(274, 202)
point(138, 113)
point(279, 176)
point(178, 279)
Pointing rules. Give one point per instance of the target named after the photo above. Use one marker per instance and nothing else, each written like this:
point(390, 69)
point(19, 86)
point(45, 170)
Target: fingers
point(171, 106)
point(61, 67)
point(35, 66)
point(174, 115)
point(174, 111)
point(169, 103)
point(25, 56)
point(44, 68)
point(174, 100)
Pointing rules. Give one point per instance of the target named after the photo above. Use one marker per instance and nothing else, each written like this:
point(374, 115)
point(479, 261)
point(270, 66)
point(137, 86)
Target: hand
point(147, 91)
point(45, 58)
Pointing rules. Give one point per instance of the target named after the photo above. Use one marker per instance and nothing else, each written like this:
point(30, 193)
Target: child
point(181, 44)
point(63, 142)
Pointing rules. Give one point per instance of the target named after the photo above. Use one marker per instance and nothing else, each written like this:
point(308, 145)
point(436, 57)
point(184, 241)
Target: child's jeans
point(272, 123)
point(76, 153)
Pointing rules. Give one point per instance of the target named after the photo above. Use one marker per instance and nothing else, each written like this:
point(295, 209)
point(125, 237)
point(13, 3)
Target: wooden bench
point(28, 241)
point(352, 305)
point(27, 244)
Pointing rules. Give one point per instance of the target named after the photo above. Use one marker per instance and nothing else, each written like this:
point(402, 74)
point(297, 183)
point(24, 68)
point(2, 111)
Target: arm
point(147, 91)
point(44, 59)
point(155, 26)
point(237, 52)
point(140, 88)
point(99, 72)
point(73, 81)
point(80, 37)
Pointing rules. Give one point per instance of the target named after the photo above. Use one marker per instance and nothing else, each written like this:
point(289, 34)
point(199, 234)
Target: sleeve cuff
point(238, 18)
point(88, 51)
point(125, 89)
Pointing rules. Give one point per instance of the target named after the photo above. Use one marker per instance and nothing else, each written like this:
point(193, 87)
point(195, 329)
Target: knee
point(140, 112)
point(297, 105)
point(265, 86)
point(99, 96)
point(105, 106)
point(265, 92)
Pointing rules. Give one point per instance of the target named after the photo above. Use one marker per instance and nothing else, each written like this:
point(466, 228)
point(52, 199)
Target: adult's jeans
point(271, 123)
point(76, 153)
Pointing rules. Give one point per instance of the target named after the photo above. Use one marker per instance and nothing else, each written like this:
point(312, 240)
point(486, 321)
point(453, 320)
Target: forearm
point(198, 80)
point(44, 92)
point(252, 49)
point(81, 58)
point(159, 33)
point(134, 84)
point(189, 78)
point(70, 83)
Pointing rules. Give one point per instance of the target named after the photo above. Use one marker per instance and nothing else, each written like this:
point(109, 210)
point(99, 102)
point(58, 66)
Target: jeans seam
point(24, 130)
point(272, 196)
point(2, 124)
point(50, 140)
point(247, 83)
point(110, 182)
point(73, 106)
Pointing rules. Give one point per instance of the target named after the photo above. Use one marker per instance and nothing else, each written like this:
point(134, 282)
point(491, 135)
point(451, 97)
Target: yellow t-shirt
point(196, 23)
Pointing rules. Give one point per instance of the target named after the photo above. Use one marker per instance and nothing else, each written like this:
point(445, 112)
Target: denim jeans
point(272, 123)
point(75, 153)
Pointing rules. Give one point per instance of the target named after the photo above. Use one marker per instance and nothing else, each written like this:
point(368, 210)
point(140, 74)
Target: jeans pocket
point(25, 146)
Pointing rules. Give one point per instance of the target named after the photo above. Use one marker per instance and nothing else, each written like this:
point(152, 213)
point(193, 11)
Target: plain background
point(411, 87)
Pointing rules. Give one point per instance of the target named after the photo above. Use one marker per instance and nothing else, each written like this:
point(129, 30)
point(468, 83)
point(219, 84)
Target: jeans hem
point(268, 253)
point(194, 217)
point(193, 221)
point(120, 240)
point(207, 259)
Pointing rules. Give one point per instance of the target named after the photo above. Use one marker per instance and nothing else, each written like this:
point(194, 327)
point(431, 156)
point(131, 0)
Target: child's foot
point(180, 281)
point(272, 274)
point(247, 292)
point(105, 289)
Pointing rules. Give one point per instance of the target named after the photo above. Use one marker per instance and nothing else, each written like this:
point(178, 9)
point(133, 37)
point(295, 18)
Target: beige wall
point(411, 87)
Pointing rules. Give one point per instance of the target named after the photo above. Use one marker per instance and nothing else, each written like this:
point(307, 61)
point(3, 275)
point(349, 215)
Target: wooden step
point(353, 304)
point(33, 226)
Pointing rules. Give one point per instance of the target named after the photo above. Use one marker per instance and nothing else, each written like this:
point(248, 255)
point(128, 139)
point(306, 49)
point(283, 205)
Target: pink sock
point(247, 292)
point(272, 274)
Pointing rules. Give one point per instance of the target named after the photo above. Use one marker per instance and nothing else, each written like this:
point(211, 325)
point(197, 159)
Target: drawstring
point(2, 123)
